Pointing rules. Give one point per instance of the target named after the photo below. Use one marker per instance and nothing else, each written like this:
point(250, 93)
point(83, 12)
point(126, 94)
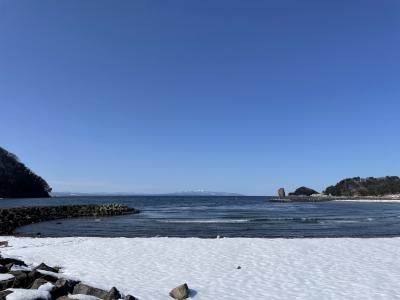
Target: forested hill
point(369, 186)
point(18, 181)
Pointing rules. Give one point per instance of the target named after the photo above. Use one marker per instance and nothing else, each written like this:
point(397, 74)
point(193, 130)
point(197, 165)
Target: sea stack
point(18, 181)
point(281, 193)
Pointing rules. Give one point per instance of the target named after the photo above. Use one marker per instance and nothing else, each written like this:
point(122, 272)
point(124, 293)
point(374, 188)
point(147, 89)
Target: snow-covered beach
point(149, 268)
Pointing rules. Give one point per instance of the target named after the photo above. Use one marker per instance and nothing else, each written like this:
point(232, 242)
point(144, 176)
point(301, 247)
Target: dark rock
point(21, 279)
point(113, 294)
point(3, 269)
point(84, 289)
point(17, 181)
point(45, 267)
point(130, 297)
point(281, 193)
point(38, 282)
point(4, 294)
point(6, 261)
point(33, 275)
point(5, 284)
point(303, 191)
point(63, 287)
point(180, 292)
point(239, 267)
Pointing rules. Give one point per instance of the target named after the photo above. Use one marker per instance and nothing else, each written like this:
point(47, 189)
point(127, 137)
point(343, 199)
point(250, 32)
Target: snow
point(46, 287)
point(20, 268)
point(23, 294)
point(82, 297)
point(6, 277)
point(149, 268)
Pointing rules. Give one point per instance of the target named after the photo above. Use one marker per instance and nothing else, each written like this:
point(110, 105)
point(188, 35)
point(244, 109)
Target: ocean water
point(210, 217)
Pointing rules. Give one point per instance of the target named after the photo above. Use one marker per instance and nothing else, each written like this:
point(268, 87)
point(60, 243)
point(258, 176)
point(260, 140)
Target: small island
point(356, 188)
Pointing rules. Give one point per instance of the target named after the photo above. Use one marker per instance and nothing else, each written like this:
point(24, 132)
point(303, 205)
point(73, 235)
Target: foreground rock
point(12, 218)
point(180, 292)
point(43, 282)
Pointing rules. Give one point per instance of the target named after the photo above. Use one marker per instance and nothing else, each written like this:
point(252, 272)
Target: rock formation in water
point(370, 186)
point(303, 191)
point(281, 193)
point(18, 181)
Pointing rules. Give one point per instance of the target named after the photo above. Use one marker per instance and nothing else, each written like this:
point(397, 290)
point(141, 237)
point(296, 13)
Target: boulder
point(63, 287)
point(7, 261)
point(21, 279)
point(6, 281)
point(3, 269)
point(180, 292)
point(84, 289)
point(3, 294)
point(130, 297)
point(303, 191)
point(281, 193)
point(113, 294)
point(38, 282)
point(45, 267)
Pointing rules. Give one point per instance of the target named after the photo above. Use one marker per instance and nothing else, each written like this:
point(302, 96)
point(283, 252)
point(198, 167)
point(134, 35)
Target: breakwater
point(12, 218)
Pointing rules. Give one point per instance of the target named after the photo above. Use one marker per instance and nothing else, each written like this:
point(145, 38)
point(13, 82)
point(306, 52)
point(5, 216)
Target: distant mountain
point(185, 193)
point(18, 181)
point(202, 193)
point(369, 186)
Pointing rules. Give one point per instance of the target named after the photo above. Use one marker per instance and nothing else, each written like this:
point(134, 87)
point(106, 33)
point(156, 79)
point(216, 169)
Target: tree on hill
point(18, 181)
point(369, 186)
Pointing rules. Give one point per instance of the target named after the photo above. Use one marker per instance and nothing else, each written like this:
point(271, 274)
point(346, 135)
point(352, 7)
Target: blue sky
point(163, 96)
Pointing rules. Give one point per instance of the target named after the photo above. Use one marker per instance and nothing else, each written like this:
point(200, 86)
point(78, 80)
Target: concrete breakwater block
point(12, 218)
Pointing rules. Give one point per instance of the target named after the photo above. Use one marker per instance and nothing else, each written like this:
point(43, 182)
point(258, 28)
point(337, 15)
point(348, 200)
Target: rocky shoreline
point(12, 218)
point(324, 198)
point(20, 281)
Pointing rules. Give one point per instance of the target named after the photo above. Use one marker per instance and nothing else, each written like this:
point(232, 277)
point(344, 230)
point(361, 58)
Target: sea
point(213, 217)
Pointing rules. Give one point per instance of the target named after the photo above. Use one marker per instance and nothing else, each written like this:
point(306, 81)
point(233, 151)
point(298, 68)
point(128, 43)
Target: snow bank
point(23, 294)
point(6, 276)
point(82, 297)
point(270, 268)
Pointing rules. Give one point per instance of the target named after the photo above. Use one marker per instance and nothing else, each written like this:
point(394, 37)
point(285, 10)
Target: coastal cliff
point(18, 181)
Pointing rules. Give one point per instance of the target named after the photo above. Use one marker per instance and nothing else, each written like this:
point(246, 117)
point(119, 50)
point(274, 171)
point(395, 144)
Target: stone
point(130, 297)
point(84, 289)
point(180, 292)
point(3, 269)
point(3, 294)
point(3, 243)
point(38, 282)
point(45, 267)
point(6, 283)
point(113, 294)
point(21, 279)
point(281, 193)
point(6, 261)
point(63, 287)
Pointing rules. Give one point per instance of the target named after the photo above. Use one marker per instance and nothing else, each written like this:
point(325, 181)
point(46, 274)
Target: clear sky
point(162, 96)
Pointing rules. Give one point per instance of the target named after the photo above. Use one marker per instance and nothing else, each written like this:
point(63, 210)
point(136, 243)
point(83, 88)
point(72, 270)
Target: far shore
point(324, 198)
